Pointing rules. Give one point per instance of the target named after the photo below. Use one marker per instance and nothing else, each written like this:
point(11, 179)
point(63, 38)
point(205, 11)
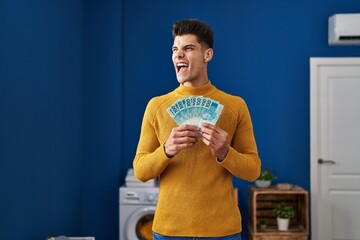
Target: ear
point(208, 55)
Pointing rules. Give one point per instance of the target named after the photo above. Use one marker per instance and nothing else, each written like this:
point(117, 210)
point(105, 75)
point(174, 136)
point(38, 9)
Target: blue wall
point(71, 104)
point(40, 118)
point(102, 136)
point(60, 107)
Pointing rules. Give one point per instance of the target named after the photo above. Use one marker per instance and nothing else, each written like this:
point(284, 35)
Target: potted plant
point(265, 178)
point(283, 214)
point(262, 223)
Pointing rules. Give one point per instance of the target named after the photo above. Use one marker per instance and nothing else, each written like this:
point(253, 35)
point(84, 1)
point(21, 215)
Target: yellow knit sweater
point(196, 195)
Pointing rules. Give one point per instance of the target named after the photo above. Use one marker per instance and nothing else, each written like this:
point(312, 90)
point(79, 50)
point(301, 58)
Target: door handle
point(322, 161)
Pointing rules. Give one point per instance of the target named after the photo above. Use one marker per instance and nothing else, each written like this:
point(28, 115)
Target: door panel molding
point(318, 67)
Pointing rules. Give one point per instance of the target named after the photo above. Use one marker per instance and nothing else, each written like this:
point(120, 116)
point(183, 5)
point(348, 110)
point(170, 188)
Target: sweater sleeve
point(150, 159)
point(242, 159)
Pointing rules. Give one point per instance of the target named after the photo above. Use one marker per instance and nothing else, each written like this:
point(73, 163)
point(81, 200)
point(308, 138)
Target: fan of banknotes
point(195, 110)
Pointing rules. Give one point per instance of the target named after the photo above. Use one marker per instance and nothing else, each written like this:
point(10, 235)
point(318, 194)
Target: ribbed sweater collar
point(205, 89)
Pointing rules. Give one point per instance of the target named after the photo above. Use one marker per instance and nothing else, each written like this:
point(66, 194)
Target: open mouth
point(180, 67)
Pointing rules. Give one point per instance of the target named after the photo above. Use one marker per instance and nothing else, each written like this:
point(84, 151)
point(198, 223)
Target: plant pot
point(283, 224)
point(262, 184)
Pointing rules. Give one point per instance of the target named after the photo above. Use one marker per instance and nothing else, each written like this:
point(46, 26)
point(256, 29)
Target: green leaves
point(284, 211)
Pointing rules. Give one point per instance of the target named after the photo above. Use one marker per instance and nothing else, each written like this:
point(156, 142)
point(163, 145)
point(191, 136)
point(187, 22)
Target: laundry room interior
point(76, 77)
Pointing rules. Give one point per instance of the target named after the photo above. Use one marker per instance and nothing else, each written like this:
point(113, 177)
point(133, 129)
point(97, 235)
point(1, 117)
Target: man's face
point(190, 60)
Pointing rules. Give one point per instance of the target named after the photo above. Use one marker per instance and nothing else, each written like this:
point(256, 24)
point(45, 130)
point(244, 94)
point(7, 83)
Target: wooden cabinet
point(262, 201)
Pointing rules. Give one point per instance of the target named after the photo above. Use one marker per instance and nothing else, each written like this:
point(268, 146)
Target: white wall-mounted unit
point(344, 29)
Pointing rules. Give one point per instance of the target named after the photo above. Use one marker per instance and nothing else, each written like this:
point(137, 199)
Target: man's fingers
point(181, 137)
point(188, 128)
point(208, 125)
point(185, 140)
point(187, 131)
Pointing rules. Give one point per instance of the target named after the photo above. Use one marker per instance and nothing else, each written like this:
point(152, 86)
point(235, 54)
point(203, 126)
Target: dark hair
point(200, 29)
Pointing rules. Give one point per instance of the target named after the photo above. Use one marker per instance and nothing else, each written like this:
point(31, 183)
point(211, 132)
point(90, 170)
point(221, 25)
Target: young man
point(195, 163)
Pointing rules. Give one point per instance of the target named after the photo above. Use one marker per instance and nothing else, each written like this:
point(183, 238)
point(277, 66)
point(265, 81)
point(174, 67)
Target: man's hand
point(181, 137)
point(215, 138)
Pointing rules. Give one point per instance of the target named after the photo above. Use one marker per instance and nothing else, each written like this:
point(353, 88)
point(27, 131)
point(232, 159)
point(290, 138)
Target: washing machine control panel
point(152, 198)
point(140, 195)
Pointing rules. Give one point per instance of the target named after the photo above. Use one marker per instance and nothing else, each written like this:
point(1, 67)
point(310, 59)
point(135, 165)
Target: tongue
point(182, 69)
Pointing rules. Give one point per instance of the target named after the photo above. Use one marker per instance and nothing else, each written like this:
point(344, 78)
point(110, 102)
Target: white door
point(335, 148)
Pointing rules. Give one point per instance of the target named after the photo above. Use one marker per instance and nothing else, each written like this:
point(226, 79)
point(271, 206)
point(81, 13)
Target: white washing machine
point(136, 211)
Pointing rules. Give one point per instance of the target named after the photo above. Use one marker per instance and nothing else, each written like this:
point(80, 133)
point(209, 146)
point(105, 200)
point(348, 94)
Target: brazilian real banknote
point(194, 110)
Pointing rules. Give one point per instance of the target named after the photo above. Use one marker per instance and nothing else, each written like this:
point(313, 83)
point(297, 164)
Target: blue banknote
point(195, 110)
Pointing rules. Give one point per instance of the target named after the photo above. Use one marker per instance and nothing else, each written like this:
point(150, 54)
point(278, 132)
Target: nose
point(178, 54)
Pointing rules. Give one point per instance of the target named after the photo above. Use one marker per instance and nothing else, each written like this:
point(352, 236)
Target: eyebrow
point(185, 46)
point(189, 45)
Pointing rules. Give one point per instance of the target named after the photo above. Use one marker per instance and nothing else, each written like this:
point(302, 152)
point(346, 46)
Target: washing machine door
point(139, 224)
